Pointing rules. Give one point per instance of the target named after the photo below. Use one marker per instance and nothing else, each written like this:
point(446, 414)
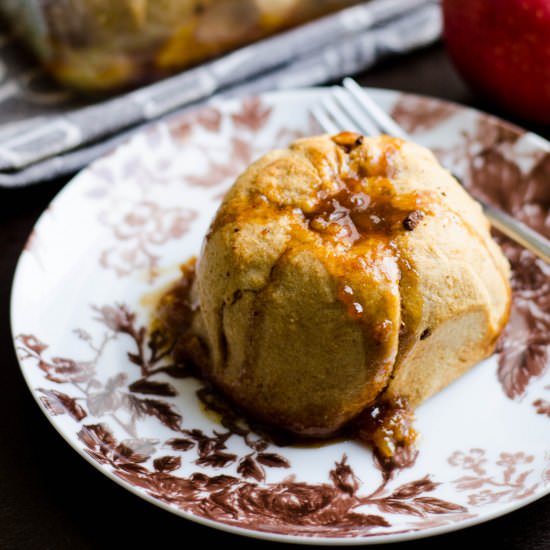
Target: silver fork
point(351, 109)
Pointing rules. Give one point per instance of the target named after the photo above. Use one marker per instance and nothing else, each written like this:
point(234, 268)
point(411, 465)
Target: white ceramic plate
point(115, 236)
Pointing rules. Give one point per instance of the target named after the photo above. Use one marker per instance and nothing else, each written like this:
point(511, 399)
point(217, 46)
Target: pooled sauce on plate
point(386, 425)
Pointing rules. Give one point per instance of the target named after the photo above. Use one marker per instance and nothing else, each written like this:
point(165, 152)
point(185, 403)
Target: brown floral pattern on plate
point(335, 508)
point(494, 167)
point(542, 405)
point(250, 118)
point(420, 114)
point(511, 485)
point(523, 347)
point(137, 231)
point(143, 226)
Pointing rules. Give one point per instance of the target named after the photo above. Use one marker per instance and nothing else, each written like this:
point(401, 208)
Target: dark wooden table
point(51, 498)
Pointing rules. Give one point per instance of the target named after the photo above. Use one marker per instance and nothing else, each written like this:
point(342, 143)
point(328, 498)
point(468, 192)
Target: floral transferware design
point(508, 481)
point(523, 349)
point(494, 164)
point(542, 406)
point(140, 229)
point(420, 114)
point(333, 508)
point(336, 508)
point(112, 388)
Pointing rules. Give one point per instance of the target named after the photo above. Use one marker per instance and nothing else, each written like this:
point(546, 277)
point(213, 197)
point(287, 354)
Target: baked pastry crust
point(342, 271)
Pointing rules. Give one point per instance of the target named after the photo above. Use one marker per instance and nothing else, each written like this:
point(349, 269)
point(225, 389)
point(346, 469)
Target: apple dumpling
point(342, 273)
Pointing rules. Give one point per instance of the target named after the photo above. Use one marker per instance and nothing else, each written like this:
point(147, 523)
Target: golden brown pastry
point(341, 271)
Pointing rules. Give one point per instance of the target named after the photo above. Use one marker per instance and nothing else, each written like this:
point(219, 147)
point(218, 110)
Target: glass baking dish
point(100, 45)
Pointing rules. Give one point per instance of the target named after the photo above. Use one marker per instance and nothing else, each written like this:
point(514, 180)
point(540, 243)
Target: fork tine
point(385, 122)
point(344, 122)
point(366, 126)
point(323, 120)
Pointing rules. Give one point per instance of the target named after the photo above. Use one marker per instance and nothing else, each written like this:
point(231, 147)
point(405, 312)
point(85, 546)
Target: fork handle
point(517, 231)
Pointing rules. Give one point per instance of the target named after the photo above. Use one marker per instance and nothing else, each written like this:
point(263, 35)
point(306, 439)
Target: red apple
point(502, 49)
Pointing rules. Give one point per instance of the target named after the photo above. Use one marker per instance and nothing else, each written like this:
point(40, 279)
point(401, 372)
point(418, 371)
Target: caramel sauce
point(359, 221)
point(364, 209)
point(174, 310)
point(387, 426)
point(346, 295)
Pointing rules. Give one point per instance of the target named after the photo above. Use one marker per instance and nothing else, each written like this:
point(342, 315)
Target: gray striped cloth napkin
point(45, 132)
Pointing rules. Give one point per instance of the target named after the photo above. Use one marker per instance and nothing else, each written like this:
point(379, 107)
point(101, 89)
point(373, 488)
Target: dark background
point(51, 498)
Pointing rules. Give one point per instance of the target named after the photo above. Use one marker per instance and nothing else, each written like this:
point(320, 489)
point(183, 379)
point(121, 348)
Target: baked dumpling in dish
point(341, 272)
